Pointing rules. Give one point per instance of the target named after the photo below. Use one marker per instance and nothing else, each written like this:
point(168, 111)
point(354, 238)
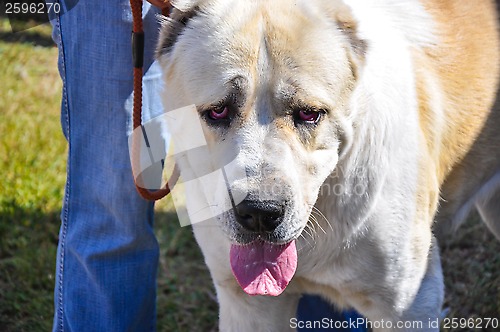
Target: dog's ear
point(348, 25)
point(173, 25)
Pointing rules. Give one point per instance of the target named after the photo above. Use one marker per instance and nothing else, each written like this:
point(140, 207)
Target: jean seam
point(65, 214)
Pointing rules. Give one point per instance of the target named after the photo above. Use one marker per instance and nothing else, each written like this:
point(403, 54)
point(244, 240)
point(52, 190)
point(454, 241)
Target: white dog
point(356, 124)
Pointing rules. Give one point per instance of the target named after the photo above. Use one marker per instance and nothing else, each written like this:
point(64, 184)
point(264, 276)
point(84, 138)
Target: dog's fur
point(409, 135)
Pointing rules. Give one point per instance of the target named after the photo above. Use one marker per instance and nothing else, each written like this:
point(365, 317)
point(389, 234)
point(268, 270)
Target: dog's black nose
point(260, 216)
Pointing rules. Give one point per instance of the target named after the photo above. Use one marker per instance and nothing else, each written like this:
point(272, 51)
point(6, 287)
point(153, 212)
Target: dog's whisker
point(313, 233)
point(317, 223)
point(310, 224)
point(314, 223)
point(319, 213)
point(305, 239)
point(305, 230)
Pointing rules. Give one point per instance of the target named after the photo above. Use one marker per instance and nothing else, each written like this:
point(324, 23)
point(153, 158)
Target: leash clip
point(138, 49)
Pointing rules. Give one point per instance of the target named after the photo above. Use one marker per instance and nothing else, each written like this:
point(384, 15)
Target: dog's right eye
point(308, 116)
point(219, 113)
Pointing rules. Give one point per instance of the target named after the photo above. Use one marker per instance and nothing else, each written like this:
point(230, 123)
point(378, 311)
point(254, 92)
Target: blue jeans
point(107, 254)
point(313, 309)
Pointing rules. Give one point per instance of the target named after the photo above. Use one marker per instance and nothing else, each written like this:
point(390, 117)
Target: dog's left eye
point(308, 116)
point(220, 113)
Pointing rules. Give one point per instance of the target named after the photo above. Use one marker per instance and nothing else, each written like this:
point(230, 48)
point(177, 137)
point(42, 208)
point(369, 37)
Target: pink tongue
point(262, 268)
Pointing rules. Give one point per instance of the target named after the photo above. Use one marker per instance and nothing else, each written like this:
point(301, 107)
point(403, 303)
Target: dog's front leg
point(242, 312)
point(424, 313)
point(427, 305)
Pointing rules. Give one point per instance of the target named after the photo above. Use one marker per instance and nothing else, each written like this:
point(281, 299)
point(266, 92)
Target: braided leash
point(138, 57)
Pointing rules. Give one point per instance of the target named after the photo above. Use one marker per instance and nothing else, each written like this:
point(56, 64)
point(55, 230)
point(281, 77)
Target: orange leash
point(138, 57)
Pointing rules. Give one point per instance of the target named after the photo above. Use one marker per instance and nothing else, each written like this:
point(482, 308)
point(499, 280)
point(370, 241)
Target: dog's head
point(271, 81)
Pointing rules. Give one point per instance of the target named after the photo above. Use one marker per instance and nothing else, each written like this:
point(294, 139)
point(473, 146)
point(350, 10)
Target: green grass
point(32, 169)
point(32, 173)
point(471, 265)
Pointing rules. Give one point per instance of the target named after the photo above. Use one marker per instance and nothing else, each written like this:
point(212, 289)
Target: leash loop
point(138, 60)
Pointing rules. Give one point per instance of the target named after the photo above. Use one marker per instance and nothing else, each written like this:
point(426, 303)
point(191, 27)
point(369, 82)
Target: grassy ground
point(471, 266)
point(32, 171)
